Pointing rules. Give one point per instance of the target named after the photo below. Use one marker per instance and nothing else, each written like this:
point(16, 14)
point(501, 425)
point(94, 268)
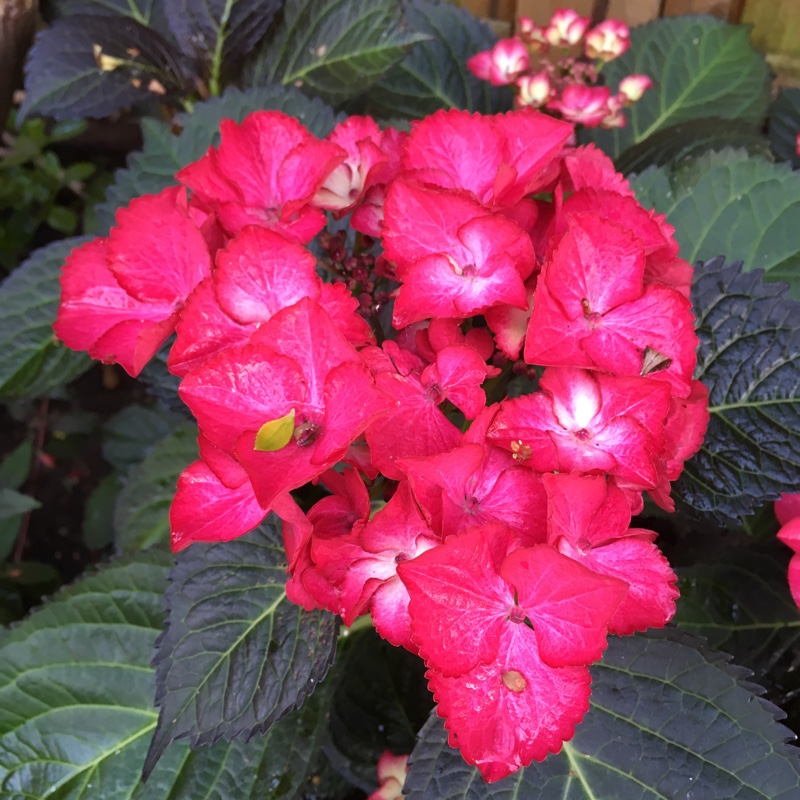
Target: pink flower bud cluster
point(566, 86)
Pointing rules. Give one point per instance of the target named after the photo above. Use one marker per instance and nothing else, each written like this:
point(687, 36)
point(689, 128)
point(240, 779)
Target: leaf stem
point(216, 60)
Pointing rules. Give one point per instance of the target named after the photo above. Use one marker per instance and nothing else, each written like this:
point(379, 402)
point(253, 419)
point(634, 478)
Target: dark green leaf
point(98, 514)
point(145, 12)
point(690, 139)
point(14, 468)
point(218, 31)
point(11, 608)
point(749, 358)
point(141, 516)
point(76, 705)
point(380, 701)
point(163, 154)
point(334, 49)
point(31, 360)
point(9, 529)
point(236, 656)
point(14, 503)
point(700, 67)
point(81, 171)
point(130, 434)
point(784, 125)
point(741, 603)
point(62, 219)
point(668, 719)
point(30, 573)
point(161, 383)
point(434, 74)
point(731, 203)
point(63, 78)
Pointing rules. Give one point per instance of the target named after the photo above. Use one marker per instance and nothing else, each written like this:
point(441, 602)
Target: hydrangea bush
point(443, 379)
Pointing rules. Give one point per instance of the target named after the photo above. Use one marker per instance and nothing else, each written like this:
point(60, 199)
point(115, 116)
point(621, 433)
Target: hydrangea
point(489, 534)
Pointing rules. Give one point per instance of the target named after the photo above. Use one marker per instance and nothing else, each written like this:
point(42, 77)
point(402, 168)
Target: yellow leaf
point(275, 434)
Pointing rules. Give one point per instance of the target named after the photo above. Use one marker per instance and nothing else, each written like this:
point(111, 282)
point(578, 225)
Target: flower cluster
point(489, 534)
point(566, 86)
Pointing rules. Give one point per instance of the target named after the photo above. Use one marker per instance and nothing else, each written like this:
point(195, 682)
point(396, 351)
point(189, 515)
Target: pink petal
point(228, 470)
point(787, 507)
point(458, 374)
point(597, 263)
point(414, 426)
point(260, 272)
point(794, 579)
point(228, 400)
point(306, 333)
point(532, 142)
point(155, 251)
point(341, 307)
point(458, 149)
point(133, 343)
point(515, 710)
point(204, 330)
point(589, 167)
point(204, 510)
point(650, 600)
point(459, 603)
point(570, 606)
point(587, 511)
point(98, 315)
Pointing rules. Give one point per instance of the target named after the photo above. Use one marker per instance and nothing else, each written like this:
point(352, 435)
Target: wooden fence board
point(724, 9)
point(634, 12)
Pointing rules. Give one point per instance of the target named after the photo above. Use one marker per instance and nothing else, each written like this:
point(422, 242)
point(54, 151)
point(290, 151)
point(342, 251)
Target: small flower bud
point(525, 27)
point(532, 35)
point(608, 40)
point(616, 119)
point(502, 64)
point(534, 90)
point(633, 87)
point(566, 28)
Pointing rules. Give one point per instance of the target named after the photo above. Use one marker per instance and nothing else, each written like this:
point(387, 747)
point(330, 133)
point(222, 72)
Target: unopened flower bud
point(633, 87)
point(534, 90)
point(502, 64)
point(608, 40)
point(566, 28)
point(616, 119)
point(532, 35)
point(525, 26)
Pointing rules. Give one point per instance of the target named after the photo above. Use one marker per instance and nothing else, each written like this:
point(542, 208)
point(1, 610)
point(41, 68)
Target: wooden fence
point(776, 23)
